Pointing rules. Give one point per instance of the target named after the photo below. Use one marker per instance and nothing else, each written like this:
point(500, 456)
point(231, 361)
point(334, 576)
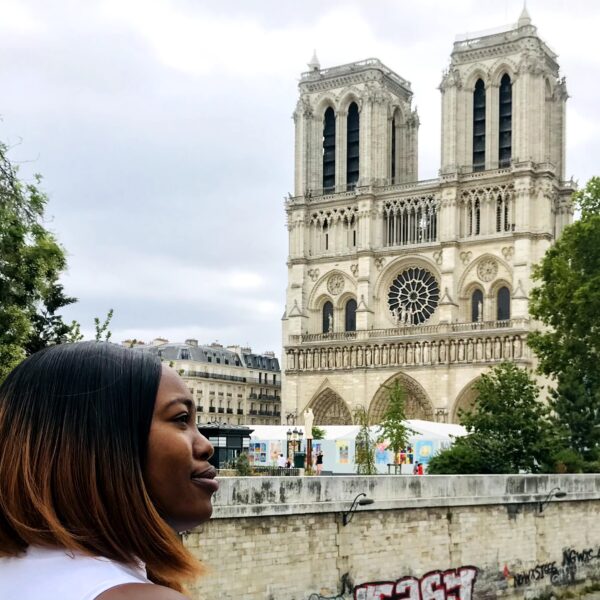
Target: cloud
point(164, 135)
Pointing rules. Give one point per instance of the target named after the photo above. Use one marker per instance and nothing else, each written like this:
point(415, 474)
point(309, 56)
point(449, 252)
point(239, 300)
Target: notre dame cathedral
point(425, 282)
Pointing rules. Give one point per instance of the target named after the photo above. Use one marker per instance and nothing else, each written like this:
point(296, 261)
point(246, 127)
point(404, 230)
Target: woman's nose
point(203, 449)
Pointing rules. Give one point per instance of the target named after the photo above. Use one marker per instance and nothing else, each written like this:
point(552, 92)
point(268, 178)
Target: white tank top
point(56, 574)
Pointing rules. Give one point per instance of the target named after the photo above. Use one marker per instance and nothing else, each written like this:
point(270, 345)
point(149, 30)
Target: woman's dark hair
point(74, 426)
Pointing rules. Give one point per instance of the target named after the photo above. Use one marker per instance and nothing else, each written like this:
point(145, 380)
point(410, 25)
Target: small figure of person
point(281, 461)
point(416, 468)
point(288, 463)
point(319, 462)
point(420, 469)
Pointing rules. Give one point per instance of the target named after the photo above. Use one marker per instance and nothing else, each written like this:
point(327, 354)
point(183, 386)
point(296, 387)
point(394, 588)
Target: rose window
point(413, 296)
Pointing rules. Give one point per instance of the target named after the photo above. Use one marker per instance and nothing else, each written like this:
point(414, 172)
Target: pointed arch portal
point(417, 406)
point(464, 401)
point(330, 409)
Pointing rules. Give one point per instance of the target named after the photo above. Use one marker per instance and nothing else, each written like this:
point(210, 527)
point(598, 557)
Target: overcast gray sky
point(163, 131)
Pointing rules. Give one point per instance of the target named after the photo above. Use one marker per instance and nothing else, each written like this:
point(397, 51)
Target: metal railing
point(408, 331)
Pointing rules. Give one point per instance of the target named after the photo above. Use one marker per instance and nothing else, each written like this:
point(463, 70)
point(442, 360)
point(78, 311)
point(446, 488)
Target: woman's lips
point(206, 480)
point(210, 485)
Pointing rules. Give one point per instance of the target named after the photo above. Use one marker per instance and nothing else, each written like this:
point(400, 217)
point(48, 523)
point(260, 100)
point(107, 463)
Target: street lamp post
point(294, 441)
point(288, 435)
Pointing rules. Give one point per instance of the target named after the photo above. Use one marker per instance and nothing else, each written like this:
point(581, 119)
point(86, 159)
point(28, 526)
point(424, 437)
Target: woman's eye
point(182, 418)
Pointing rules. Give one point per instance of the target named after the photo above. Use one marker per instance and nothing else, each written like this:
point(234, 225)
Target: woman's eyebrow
point(185, 401)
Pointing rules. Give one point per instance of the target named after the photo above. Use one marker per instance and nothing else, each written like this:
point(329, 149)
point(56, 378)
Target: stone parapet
point(278, 496)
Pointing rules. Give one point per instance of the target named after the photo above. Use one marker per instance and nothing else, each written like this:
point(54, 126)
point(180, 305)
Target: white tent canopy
point(267, 442)
point(426, 429)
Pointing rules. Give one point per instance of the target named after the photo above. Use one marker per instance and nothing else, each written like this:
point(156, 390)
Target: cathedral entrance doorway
point(464, 401)
point(330, 409)
point(417, 406)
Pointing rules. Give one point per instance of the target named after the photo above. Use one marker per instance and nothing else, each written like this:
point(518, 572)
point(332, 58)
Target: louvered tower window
point(479, 126)
point(327, 317)
point(352, 145)
point(329, 150)
point(505, 131)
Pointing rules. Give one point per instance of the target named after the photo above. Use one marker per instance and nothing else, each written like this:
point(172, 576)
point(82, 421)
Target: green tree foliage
point(31, 262)
point(318, 433)
point(102, 330)
point(242, 465)
point(567, 302)
point(508, 428)
point(365, 444)
point(393, 426)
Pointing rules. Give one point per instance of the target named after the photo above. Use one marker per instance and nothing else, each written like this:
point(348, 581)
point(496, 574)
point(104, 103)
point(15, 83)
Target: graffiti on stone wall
point(453, 584)
point(562, 573)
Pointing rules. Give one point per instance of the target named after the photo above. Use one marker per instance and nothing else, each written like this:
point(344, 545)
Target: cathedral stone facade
point(425, 282)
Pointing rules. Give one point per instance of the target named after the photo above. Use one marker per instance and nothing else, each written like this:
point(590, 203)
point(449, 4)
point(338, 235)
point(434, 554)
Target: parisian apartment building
point(229, 384)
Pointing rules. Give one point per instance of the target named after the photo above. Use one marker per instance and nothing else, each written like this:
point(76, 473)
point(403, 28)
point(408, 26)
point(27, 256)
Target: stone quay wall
point(423, 538)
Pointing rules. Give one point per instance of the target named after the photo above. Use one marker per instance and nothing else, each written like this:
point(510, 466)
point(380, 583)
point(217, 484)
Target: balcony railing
point(200, 408)
point(220, 410)
point(211, 409)
point(409, 331)
point(240, 411)
point(230, 411)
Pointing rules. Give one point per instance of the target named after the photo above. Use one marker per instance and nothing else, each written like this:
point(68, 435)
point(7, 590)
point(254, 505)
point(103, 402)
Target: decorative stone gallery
point(426, 282)
point(422, 538)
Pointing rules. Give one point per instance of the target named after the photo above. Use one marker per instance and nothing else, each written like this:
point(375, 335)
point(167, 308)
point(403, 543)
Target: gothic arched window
point(477, 306)
point(479, 126)
point(503, 304)
point(393, 165)
point(352, 145)
point(505, 125)
point(351, 315)
point(329, 149)
point(474, 208)
point(327, 317)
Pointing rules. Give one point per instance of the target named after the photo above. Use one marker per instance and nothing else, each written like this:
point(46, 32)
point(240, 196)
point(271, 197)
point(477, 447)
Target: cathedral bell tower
point(503, 102)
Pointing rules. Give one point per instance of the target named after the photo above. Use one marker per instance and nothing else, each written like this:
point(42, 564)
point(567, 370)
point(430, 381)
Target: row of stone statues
point(480, 349)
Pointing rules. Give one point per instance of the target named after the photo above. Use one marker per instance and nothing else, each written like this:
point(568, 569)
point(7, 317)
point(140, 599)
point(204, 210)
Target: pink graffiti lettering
point(453, 584)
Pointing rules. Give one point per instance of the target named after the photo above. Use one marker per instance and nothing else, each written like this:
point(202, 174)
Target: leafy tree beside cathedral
point(509, 428)
point(393, 427)
point(567, 302)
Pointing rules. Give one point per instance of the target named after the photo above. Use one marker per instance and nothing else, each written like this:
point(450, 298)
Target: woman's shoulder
point(140, 591)
point(55, 573)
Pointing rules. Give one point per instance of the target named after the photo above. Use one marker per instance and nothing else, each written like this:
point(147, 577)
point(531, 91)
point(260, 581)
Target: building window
point(327, 317)
point(351, 315)
point(505, 125)
point(352, 145)
point(329, 150)
point(477, 306)
point(474, 209)
point(393, 166)
point(410, 221)
point(503, 304)
point(503, 214)
point(479, 126)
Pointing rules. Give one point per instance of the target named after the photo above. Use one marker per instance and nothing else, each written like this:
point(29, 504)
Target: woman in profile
point(101, 464)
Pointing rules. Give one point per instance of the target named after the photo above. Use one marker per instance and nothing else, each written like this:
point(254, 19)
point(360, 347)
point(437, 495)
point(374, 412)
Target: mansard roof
point(210, 354)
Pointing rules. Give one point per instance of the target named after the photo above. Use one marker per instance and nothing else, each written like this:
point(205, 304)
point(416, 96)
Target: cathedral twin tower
point(425, 282)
